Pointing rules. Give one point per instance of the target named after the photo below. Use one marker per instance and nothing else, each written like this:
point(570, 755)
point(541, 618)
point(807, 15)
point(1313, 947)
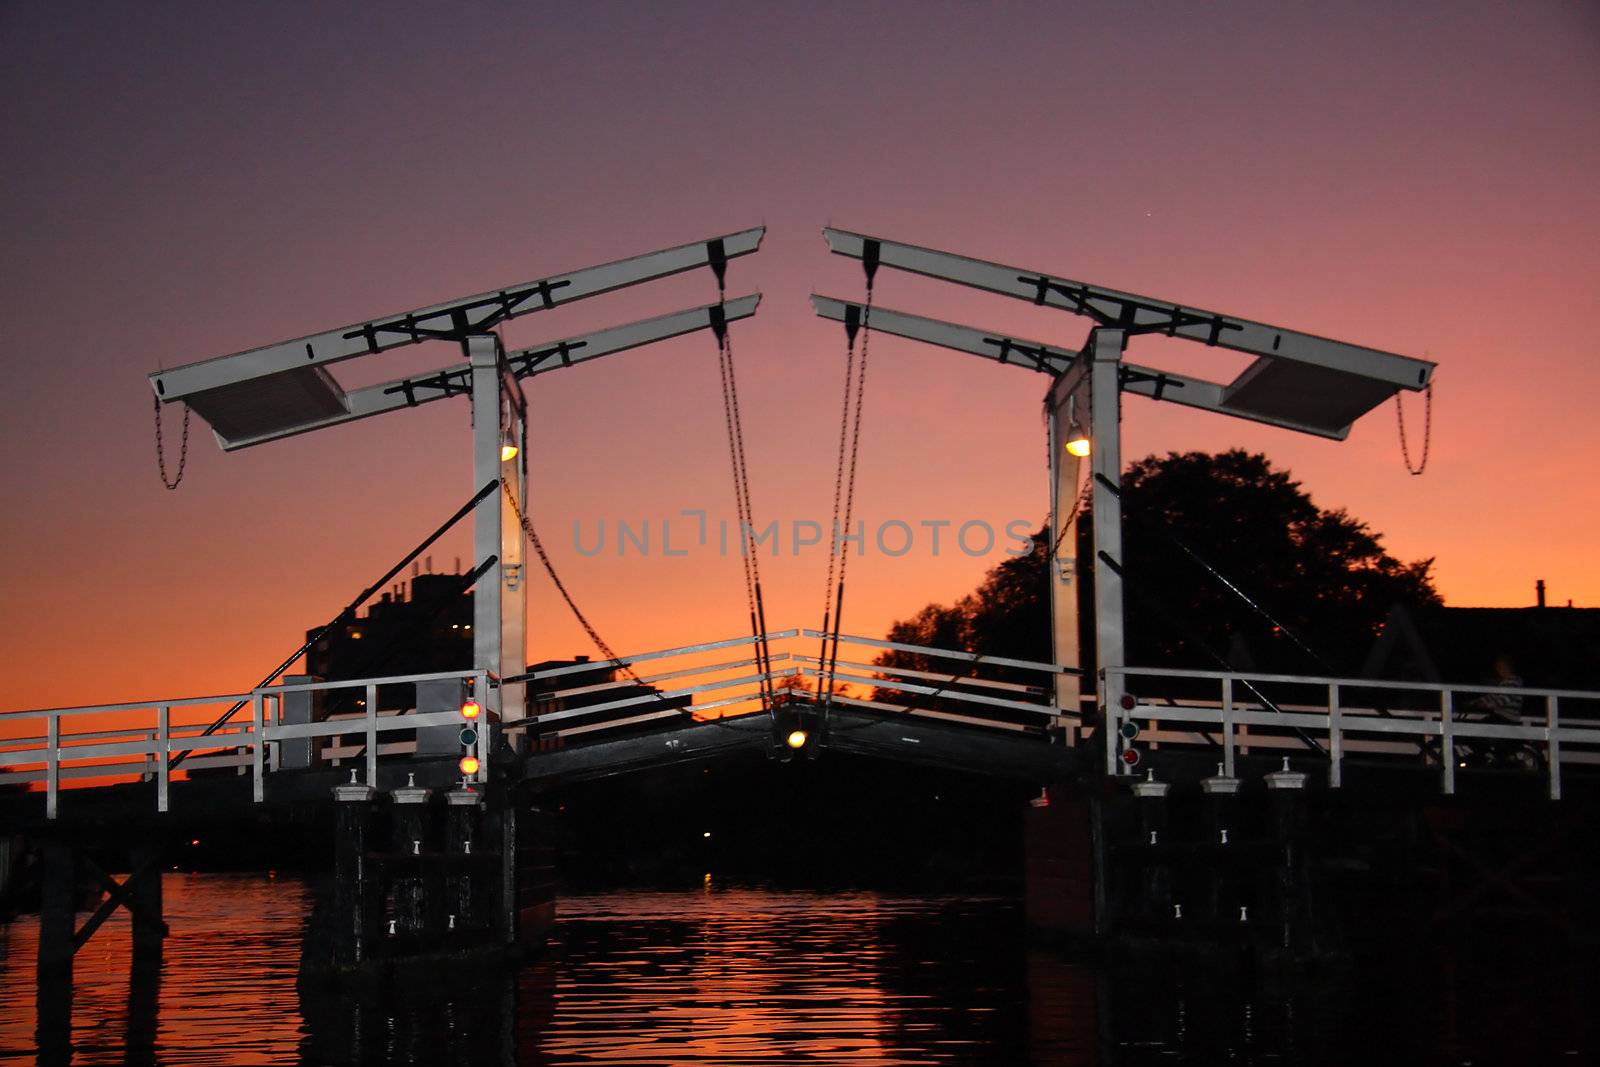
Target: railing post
point(275, 748)
point(1552, 725)
point(258, 784)
point(1227, 726)
point(1109, 713)
point(52, 763)
point(164, 750)
point(1335, 739)
point(372, 734)
point(1447, 748)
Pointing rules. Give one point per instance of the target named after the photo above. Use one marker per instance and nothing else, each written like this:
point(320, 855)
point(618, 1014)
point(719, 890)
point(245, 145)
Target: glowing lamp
point(508, 452)
point(796, 739)
point(1130, 756)
point(469, 764)
point(1078, 444)
point(471, 709)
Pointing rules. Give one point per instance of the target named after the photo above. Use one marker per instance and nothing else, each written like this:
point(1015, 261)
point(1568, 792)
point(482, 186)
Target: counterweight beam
point(1298, 380)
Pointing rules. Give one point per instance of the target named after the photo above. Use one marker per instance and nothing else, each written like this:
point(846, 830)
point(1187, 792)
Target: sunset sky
point(184, 180)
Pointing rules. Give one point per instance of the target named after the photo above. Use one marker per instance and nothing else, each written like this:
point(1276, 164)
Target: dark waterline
point(745, 976)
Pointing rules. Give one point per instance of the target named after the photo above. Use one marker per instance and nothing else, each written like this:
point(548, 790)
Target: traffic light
point(471, 714)
point(1127, 734)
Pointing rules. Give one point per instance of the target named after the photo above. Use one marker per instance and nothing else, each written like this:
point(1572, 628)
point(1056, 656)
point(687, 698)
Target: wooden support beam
point(137, 894)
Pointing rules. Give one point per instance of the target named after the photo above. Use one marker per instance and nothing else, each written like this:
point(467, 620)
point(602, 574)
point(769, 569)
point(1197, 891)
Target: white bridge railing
point(585, 701)
point(1021, 701)
point(1237, 712)
point(102, 743)
point(1231, 712)
point(142, 738)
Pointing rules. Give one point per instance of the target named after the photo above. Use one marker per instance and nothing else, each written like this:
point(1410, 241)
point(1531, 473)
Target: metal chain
point(855, 435)
point(183, 449)
point(838, 480)
point(1078, 503)
point(735, 461)
point(841, 545)
point(617, 662)
point(555, 579)
point(748, 548)
point(1427, 430)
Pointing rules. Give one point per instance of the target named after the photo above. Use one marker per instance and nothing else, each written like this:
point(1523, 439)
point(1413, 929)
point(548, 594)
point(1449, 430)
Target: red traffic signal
point(471, 709)
point(1130, 756)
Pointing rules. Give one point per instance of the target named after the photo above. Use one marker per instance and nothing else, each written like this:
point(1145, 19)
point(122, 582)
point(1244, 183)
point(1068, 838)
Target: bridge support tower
point(460, 876)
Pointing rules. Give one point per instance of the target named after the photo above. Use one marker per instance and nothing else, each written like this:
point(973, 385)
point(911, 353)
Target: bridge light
point(1078, 444)
point(788, 733)
point(508, 452)
point(471, 709)
point(1130, 756)
point(469, 765)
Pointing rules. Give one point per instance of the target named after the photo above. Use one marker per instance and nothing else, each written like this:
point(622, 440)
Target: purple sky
point(187, 180)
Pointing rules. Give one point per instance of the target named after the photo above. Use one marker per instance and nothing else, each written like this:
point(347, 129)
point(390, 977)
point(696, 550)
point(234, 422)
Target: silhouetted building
point(431, 631)
point(1550, 648)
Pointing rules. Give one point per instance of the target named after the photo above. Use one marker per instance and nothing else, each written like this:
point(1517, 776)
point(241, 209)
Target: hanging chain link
point(838, 480)
point(1078, 503)
point(855, 435)
point(845, 485)
point(1427, 430)
point(733, 421)
point(741, 484)
point(183, 448)
point(617, 662)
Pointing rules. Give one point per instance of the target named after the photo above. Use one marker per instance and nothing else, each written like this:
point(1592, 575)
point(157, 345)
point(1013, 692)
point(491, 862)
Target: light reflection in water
point(717, 975)
point(725, 976)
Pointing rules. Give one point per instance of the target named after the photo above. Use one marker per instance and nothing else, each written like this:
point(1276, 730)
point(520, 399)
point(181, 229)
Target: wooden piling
point(353, 910)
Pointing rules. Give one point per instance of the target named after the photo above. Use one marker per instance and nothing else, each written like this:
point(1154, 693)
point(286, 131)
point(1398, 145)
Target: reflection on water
point(225, 992)
point(745, 976)
point(748, 976)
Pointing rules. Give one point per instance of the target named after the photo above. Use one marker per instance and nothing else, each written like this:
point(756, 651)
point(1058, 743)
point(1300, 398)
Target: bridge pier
point(352, 905)
point(1286, 794)
point(412, 906)
point(463, 832)
point(432, 877)
point(1065, 893)
point(1157, 866)
point(57, 910)
point(64, 866)
point(1273, 869)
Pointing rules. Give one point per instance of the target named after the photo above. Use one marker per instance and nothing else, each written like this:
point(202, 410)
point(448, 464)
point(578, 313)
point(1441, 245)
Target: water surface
point(752, 976)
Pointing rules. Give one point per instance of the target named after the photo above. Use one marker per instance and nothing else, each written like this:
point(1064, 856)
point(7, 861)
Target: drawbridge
point(794, 693)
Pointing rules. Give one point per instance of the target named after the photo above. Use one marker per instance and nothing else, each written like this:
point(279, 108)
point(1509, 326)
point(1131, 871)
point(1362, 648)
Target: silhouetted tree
point(1320, 579)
